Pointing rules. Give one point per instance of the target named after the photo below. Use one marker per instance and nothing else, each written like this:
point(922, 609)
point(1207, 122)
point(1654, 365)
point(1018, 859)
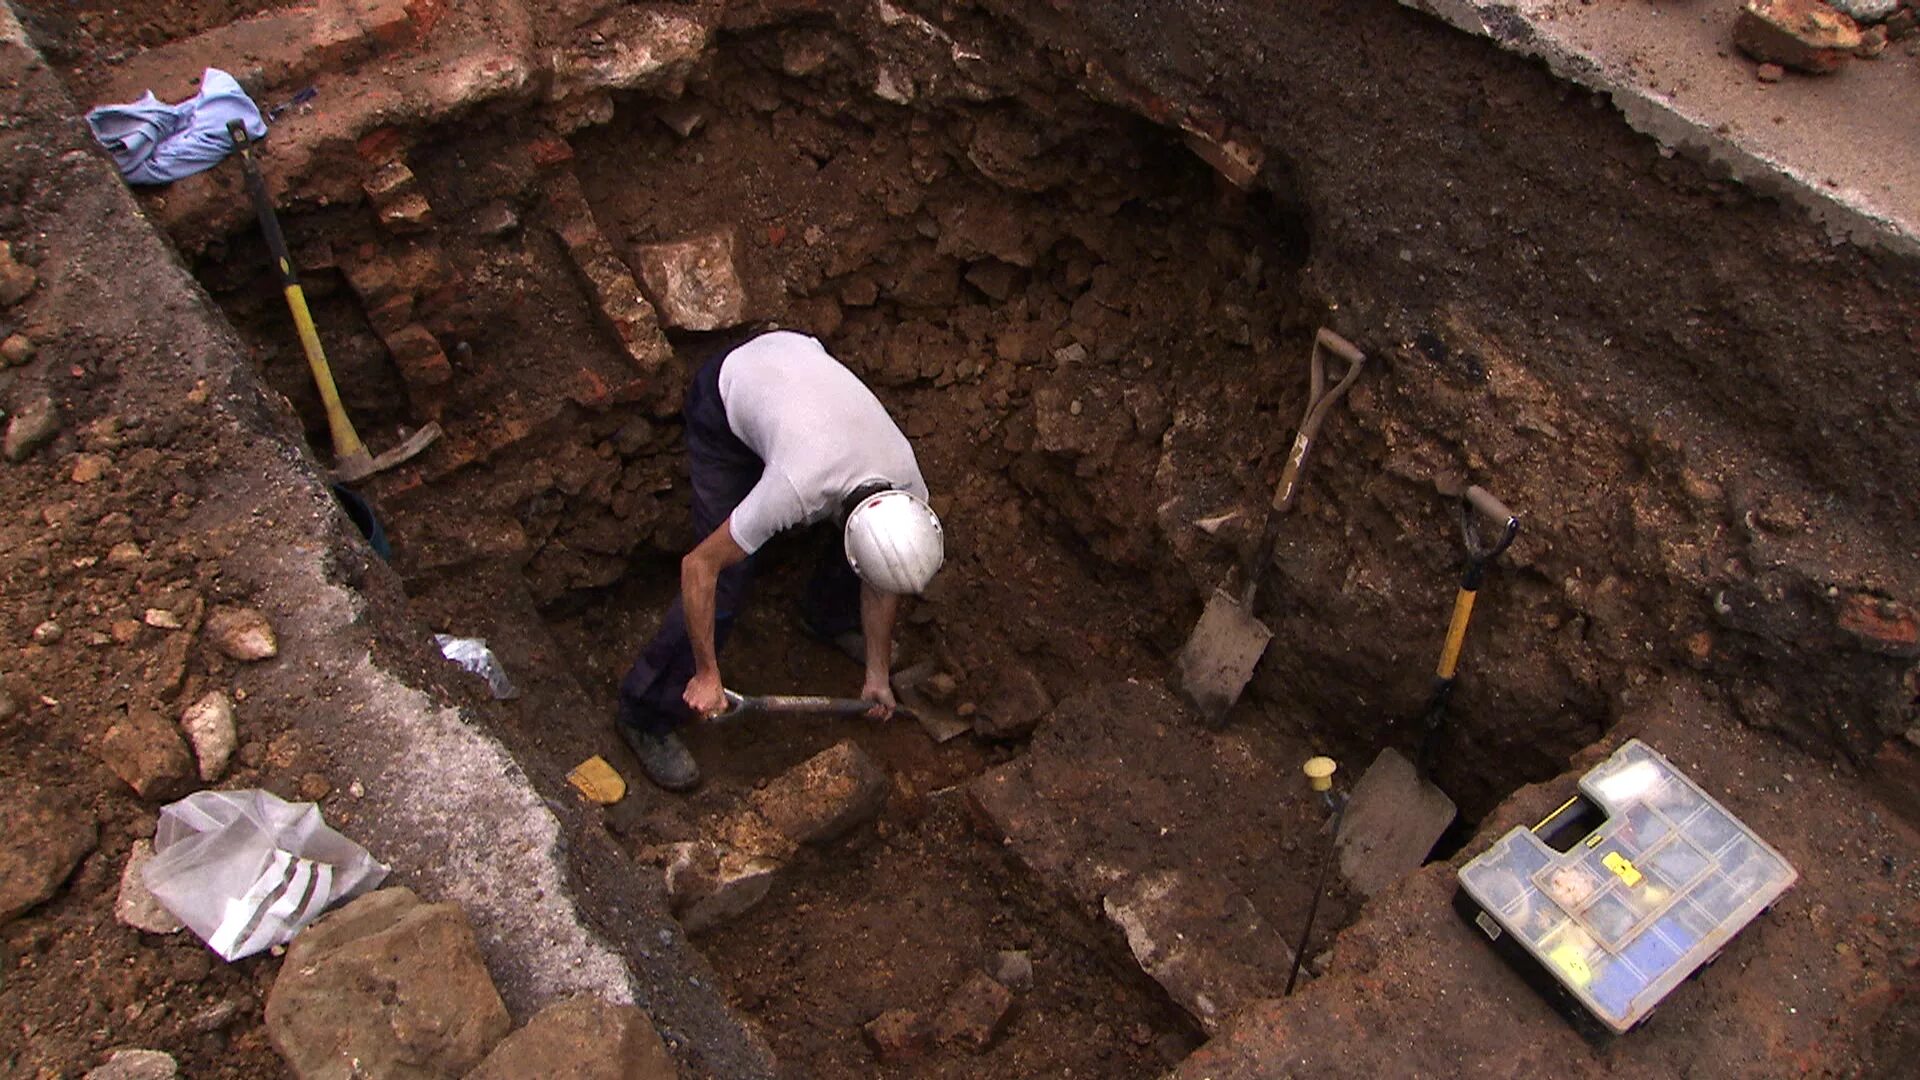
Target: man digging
point(780, 434)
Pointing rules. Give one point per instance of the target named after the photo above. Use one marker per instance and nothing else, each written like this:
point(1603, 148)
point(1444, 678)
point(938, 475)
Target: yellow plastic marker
point(1320, 772)
point(1572, 960)
point(1622, 868)
point(598, 781)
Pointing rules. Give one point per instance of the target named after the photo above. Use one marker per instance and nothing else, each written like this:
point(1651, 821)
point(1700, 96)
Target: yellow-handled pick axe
point(351, 460)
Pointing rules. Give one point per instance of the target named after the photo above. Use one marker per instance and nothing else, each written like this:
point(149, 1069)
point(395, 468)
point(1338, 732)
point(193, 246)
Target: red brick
point(381, 145)
point(419, 357)
point(975, 1013)
point(426, 14)
point(898, 1037)
point(550, 151)
point(388, 22)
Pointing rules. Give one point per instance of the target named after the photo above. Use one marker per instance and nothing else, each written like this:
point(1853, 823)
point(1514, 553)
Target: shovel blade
point(1391, 823)
point(1220, 655)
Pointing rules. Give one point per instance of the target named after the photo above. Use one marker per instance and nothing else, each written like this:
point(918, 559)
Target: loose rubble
point(134, 905)
point(46, 837)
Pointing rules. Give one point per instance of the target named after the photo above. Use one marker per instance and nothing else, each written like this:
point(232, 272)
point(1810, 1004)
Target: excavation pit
point(1088, 302)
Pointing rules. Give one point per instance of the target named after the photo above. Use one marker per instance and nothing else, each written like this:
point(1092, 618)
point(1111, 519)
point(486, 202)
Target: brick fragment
point(616, 297)
point(974, 1014)
point(1888, 627)
point(387, 22)
point(407, 215)
point(390, 183)
point(898, 1037)
point(1237, 160)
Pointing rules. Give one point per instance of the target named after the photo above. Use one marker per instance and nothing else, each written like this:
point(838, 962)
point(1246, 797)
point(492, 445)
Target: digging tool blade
point(363, 465)
point(1220, 655)
point(1228, 641)
point(1393, 819)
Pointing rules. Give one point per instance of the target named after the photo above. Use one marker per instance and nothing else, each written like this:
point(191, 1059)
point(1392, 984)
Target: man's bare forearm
point(878, 611)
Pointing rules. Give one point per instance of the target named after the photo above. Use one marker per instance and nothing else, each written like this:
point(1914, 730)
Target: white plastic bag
point(472, 654)
point(247, 870)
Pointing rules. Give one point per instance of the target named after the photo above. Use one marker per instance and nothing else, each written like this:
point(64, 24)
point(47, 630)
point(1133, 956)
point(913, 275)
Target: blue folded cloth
point(156, 143)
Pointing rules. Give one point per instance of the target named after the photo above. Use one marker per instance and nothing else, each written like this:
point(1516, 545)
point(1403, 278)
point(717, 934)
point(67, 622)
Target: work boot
point(663, 757)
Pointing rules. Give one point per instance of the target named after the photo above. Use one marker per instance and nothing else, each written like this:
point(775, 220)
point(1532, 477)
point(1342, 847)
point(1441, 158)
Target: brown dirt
point(1068, 485)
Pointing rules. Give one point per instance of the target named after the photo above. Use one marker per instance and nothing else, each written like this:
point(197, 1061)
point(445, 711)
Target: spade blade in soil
point(1220, 655)
point(1391, 824)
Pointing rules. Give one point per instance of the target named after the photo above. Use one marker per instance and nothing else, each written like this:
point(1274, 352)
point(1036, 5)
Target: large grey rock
point(136, 1065)
point(146, 751)
point(1202, 942)
point(581, 1039)
point(386, 986)
point(135, 905)
point(45, 837)
point(823, 796)
point(709, 884)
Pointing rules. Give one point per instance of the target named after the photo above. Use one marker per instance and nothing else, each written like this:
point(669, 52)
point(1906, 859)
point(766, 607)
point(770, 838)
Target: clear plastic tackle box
point(1620, 912)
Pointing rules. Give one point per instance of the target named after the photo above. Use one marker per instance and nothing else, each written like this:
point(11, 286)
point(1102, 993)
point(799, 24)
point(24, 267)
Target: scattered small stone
point(1074, 353)
point(1012, 968)
point(17, 279)
point(136, 906)
point(9, 708)
point(314, 787)
point(1770, 73)
point(1873, 42)
point(898, 1037)
point(210, 727)
point(136, 1065)
point(974, 1014)
point(683, 118)
point(161, 619)
point(242, 634)
point(496, 219)
point(89, 467)
point(45, 838)
point(125, 553)
point(942, 686)
point(33, 426)
point(214, 1017)
point(148, 753)
point(16, 350)
point(48, 633)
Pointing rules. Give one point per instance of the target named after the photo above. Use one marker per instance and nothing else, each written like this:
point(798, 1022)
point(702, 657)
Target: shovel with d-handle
point(351, 460)
point(1476, 507)
point(1228, 641)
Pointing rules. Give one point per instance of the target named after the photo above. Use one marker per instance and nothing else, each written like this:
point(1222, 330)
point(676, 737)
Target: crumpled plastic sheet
point(473, 655)
point(247, 870)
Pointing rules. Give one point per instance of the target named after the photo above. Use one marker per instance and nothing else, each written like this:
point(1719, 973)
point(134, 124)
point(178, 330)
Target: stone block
point(824, 796)
point(146, 750)
point(634, 48)
point(1804, 35)
point(386, 986)
point(1201, 941)
point(975, 1013)
point(46, 837)
point(581, 1039)
point(33, 425)
point(710, 883)
point(693, 283)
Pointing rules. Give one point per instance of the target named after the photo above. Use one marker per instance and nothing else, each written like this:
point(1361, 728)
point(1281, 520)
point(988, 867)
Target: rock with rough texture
point(582, 1039)
point(242, 634)
point(147, 752)
point(898, 1037)
point(17, 279)
point(823, 796)
point(16, 350)
point(386, 986)
point(1012, 968)
point(1202, 942)
point(709, 884)
point(1015, 705)
point(693, 283)
point(1805, 35)
point(974, 1014)
point(1865, 11)
point(31, 427)
point(136, 906)
point(136, 1065)
point(45, 837)
point(210, 727)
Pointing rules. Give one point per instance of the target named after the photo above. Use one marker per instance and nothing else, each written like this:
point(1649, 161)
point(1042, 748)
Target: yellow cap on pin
point(1320, 772)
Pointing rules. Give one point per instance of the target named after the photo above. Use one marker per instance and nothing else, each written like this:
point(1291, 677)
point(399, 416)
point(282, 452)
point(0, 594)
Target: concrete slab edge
point(1845, 217)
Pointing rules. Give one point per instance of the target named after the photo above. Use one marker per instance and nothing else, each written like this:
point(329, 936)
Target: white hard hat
point(894, 542)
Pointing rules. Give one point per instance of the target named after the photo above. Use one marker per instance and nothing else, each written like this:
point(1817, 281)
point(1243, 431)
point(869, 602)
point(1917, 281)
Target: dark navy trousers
point(723, 469)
